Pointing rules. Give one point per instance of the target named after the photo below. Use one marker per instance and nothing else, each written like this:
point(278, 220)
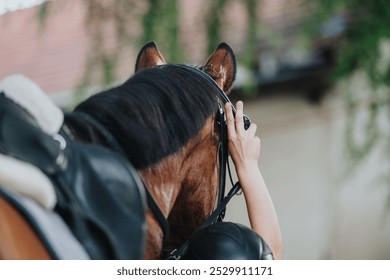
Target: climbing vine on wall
point(135, 22)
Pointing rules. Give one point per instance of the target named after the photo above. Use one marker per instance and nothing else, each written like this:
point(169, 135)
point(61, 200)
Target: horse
point(163, 121)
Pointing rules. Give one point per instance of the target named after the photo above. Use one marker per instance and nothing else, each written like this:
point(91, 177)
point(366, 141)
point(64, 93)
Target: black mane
point(155, 112)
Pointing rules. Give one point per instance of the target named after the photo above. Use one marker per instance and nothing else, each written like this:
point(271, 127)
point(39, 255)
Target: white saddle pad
point(22, 177)
point(30, 96)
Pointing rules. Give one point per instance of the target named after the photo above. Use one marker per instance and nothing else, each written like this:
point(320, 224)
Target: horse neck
point(183, 172)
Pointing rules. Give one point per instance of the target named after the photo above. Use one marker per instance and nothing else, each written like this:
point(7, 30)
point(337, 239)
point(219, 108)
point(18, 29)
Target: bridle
point(221, 121)
point(219, 213)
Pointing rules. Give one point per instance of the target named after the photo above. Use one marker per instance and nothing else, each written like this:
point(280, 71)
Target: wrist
point(251, 181)
point(248, 169)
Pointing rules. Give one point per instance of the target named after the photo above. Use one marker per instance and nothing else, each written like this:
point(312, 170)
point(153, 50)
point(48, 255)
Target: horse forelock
point(154, 113)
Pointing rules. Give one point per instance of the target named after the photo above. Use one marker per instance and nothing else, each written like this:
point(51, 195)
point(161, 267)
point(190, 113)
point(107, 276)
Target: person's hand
point(244, 145)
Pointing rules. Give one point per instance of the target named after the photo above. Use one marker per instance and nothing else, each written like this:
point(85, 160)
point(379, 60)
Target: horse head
point(164, 121)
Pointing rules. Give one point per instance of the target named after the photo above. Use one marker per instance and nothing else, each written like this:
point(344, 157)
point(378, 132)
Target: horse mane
point(155, 112)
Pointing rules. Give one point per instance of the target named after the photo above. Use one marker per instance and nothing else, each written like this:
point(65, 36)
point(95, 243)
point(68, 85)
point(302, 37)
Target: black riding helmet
point(227, 241)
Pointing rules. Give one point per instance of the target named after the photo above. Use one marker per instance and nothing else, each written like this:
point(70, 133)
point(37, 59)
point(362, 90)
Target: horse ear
point(221, 66)
point(148, 57)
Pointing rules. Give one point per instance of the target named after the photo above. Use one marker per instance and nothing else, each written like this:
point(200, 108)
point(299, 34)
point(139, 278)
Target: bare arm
point(244, 147)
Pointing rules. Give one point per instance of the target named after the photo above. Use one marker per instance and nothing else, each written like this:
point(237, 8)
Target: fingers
point(236, 124)
point(239, 117)
point(230, 120)
point(252, 130)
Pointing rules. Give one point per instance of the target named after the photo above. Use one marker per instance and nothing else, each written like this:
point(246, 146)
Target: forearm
point(261, 211)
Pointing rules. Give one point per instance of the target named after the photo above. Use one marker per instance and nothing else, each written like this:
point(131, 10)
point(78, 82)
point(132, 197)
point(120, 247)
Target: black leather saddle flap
point(99, 194)
point(102, 199)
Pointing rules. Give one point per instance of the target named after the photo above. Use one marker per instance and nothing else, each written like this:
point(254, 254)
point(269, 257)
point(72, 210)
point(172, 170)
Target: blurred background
point(314, 75)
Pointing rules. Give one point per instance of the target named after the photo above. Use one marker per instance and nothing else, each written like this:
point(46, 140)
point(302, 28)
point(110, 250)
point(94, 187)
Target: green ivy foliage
point(159, 21)
point(368, 24)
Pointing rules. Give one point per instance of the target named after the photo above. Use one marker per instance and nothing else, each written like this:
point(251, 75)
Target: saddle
point(98, 195)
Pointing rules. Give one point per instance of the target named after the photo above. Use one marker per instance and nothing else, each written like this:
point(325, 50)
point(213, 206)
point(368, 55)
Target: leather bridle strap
point(223, 159)
point(178, 253)
point(158, 215)
point(223, 148)
point(219, 213)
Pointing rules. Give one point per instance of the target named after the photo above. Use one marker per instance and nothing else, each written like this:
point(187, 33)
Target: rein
point(177, 254)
